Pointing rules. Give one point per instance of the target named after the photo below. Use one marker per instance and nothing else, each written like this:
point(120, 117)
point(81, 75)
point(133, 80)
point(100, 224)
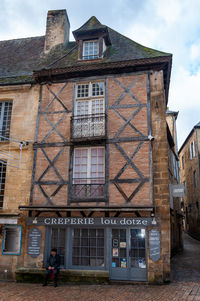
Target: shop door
point(128, 254)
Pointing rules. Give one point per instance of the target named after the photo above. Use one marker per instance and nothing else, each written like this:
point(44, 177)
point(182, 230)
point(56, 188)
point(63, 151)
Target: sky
point(171, 26)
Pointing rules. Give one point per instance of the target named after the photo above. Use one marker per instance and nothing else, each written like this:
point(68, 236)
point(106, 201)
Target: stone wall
point(18, 178)
point(191, 200)
point(160, 271)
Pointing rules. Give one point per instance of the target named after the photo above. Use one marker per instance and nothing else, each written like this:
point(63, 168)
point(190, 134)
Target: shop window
point(119, 248)
point(5, 118)
point(58, 243)
point(137, 253)
point(12, 240)
point(88, 247)
point(2, 181)
point(134, 248)
point(89, 172)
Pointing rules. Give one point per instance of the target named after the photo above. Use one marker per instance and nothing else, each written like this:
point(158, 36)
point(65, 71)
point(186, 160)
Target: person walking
point(52, 268)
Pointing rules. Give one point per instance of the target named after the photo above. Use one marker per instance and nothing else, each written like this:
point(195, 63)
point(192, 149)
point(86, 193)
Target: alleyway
point(186, 285)
point(186, 265)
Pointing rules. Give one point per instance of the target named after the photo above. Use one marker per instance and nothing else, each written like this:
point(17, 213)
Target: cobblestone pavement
point(185, 285)
point(185, 266)
point(34, 292)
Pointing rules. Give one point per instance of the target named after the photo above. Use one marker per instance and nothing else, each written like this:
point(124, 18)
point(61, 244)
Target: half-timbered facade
point(100, 179)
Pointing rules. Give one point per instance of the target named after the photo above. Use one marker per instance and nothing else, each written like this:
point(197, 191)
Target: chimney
point(57, 29)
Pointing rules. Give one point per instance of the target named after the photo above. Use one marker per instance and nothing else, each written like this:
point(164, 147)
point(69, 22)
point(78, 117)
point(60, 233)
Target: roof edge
point(187, 138)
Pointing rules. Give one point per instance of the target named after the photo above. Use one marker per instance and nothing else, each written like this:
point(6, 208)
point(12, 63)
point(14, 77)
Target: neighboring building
point(100, 180)
point(174, 179)
point(190, 177)
point(19, 98)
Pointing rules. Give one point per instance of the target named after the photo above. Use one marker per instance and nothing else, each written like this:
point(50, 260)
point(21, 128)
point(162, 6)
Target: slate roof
point(186, 140)
point(121, 49)
point(18, 58)
point(92, 24)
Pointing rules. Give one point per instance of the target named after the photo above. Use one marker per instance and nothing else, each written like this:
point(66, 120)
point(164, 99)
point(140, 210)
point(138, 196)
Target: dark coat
point(53, 261)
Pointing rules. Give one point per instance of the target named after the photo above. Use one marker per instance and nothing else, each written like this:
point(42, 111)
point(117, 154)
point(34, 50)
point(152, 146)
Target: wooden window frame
point(89, 161)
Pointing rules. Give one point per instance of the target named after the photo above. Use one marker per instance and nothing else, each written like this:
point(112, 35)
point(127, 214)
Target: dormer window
point(92, 39)
point(91, 50)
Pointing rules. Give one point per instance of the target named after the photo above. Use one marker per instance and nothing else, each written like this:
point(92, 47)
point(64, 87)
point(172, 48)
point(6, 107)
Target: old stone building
point(174, 179)
point(100, 174)
point(190, 171)
point(19, 98)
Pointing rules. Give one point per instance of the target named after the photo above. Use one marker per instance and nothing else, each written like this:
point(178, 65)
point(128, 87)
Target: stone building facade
point(100, 171)
point(18, 112)
point(190, 171)
point(174, 179)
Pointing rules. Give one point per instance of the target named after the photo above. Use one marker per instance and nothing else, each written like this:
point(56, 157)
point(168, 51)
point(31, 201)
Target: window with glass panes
point(88, 247)
point(94, 102)
point(5, 118)
point(137, 248)
point(58, 243)
point(119, 248)
point(89, 165)
point(2, 180)
point(90, 50)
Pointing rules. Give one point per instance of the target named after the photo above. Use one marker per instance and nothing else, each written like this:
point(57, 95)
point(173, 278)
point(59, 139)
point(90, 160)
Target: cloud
point(168, 11)
point(172, 26)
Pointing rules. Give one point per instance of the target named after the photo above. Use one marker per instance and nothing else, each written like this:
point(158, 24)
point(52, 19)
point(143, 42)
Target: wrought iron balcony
point(88, 188)
point(85, 126)
point(4, 135)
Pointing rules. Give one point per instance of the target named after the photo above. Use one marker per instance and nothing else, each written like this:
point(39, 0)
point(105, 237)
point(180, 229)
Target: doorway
point(128, 254)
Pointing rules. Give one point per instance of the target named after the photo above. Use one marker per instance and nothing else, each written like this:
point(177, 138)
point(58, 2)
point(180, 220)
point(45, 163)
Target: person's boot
point(46, 281)
point(55, 281)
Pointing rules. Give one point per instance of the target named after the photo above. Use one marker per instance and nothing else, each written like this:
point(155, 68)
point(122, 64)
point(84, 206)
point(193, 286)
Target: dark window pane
point(58, 242)
point(84, 232)
point(85, 251)
point(2, 181)
point(76, 232)
point(88, 248)
point(5, 118)
point(122, 233)
point(93, 242)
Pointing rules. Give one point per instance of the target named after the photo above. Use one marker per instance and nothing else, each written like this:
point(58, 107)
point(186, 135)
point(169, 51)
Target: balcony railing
point(84, 126)
point(4, 135)
point(88, 188)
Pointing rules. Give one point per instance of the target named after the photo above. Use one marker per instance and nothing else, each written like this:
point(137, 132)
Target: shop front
point(116, 245)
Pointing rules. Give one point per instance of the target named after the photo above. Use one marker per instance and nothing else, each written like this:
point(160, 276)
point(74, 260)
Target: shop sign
point(178, 190)
point(34, 242)
point(90, 221)
point(154, 244)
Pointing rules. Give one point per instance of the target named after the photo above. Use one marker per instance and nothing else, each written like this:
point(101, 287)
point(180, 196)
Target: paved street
point(186, 265)
point(186, 285)
point(34, 292)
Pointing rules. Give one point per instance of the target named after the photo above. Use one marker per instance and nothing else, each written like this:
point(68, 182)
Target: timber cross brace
point(47, 111)
point(140, 137)
point(127, 105)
